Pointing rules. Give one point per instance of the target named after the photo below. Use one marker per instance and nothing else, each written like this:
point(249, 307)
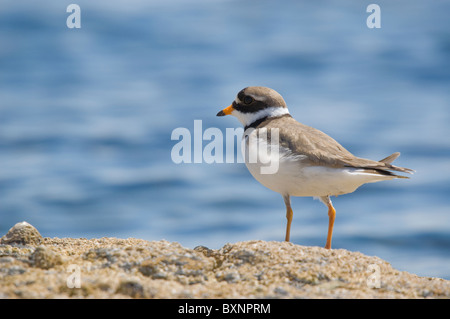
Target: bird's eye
point(248, 99)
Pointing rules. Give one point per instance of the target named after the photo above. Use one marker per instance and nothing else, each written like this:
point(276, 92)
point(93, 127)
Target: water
point(86, 117)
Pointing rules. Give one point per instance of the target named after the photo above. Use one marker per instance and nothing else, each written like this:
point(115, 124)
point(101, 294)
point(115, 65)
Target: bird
point(300, 160)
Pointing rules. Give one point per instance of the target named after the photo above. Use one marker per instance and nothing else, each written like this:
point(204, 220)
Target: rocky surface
point(32, 266)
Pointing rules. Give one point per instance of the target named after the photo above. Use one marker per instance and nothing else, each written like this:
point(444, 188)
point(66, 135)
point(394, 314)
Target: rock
point(45, 258)
point(131, 288)
point(134, 268)
point(22, 234)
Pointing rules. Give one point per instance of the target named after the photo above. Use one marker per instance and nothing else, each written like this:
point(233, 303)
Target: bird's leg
point(331, 216)
point(289, 214)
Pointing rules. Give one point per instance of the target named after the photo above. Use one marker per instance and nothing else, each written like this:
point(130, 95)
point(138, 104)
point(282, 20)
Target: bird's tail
point(388, 160)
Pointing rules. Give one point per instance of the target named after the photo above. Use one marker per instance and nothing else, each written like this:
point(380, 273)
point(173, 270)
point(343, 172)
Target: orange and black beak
point(226, 111)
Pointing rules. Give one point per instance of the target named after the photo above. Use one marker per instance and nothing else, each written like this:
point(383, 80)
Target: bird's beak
point(226, 111)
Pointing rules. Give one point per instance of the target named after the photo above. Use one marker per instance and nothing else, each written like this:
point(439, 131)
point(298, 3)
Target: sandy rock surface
point(32, 266)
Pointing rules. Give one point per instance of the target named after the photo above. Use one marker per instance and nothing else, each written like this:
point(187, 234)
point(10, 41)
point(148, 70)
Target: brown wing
point(321, 149)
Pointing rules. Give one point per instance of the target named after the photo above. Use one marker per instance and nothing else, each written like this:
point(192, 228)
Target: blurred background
point(86, 117)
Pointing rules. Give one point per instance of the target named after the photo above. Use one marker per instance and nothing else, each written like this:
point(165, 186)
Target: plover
point(309, 162)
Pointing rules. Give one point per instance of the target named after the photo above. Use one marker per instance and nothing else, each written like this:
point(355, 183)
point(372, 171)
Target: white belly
point(281, 172)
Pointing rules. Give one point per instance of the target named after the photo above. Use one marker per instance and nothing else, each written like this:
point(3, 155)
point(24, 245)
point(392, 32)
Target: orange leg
point(331, 217)
point(289, 215)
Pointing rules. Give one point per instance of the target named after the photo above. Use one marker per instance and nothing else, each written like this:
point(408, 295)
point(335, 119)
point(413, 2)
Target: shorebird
point(309, 162)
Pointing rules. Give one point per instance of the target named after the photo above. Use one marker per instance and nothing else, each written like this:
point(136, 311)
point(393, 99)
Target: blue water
point(86, 117)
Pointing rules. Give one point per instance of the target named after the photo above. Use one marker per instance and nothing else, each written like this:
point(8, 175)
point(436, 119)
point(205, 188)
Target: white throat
point(248, 118)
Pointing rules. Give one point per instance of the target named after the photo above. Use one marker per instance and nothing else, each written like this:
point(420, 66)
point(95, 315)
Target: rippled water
point(86, 117)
